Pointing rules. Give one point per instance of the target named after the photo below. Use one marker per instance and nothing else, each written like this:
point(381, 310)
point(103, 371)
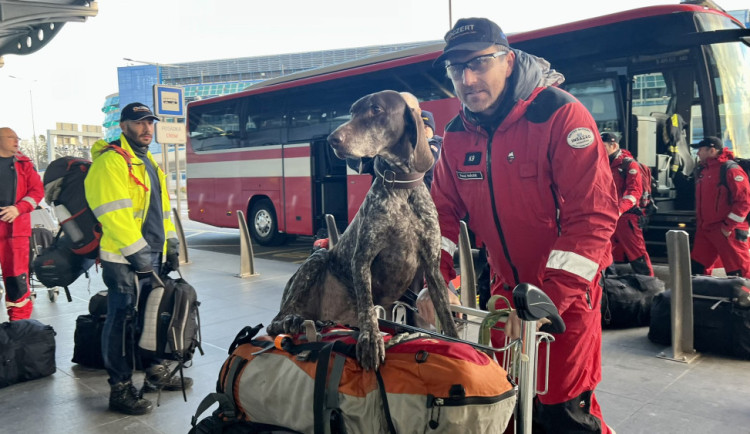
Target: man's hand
point(513, 325)
point(172, 263)
point(8, 213)
point(726, 232)
point(427, 309)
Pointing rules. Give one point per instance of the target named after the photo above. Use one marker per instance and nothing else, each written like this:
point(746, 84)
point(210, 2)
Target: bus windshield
point(729, 67)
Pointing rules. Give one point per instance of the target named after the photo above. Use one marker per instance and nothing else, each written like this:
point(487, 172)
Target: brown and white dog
point(394, 232)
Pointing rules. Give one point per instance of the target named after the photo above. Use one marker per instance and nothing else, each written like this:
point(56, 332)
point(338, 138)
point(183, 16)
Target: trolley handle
point(532, 304)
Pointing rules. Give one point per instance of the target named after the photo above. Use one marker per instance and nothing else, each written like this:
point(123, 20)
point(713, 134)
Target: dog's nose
point(335, 139)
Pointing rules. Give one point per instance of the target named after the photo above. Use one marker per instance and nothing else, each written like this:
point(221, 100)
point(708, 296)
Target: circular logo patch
point(632, 171)
point(739, 178)
point(580, 138)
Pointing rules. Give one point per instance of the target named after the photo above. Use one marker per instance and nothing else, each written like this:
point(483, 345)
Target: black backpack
point(169, 321)
point(76, 247)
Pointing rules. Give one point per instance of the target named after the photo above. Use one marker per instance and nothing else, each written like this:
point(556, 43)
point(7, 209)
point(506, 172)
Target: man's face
point(611, 147)
point(480, 91)
point(8, 142)
point(706, 153)
point(141, 132)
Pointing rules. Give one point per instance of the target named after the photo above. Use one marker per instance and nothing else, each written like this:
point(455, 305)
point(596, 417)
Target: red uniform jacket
point(627, 180)
point(29, 192)
point(721, 203)
point(538, 193)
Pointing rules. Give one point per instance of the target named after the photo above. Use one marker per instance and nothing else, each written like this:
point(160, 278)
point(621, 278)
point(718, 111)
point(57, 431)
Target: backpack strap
point(128, 161)
point(724, 170)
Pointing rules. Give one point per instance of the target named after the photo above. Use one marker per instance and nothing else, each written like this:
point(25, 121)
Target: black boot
point(160, 376)
point(124, 398)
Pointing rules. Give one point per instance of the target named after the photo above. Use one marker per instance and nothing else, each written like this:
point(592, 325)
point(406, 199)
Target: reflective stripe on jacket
point(120, 203)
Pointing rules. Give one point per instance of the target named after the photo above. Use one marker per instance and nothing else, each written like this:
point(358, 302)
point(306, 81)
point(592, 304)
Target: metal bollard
point(247, 265)
point(180, 236)
point(466, 263)
point(333, 231)
point(678, 252)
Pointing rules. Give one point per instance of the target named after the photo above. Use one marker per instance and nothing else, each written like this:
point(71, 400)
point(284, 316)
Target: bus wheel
point(263, 225)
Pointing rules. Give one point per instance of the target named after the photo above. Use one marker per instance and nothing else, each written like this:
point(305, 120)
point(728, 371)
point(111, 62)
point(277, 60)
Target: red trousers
point(574, 366)
point(710, 245)
point(628, 245)
point(14, 261)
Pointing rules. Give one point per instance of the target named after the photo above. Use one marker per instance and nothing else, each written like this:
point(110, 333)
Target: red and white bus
point(661, 77)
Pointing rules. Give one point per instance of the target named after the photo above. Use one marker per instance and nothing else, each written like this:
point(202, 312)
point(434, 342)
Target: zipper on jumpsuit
point(494, 210)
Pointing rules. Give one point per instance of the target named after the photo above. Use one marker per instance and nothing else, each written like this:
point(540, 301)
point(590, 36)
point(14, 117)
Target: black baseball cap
point(428, 119)
point(472, 34)
point(136, 111)
point(709, 142)
point(609, 137)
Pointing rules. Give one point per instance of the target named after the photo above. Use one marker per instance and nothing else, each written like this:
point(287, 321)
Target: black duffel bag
point(721, 316)
point(27, 351)
point(627, 298)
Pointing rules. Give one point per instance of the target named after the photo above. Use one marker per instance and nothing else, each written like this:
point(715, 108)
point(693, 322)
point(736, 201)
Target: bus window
point(600, 99)
point(264, 121)
point(650, 94)
point(214, 126)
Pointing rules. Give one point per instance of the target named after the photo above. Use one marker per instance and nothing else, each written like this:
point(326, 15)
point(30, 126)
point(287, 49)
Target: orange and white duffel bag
point(312, 383)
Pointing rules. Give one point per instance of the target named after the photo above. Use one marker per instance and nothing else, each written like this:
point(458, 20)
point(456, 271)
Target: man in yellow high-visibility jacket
point(131, 201)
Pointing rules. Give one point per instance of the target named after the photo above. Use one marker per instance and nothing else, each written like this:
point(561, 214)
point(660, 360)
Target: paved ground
point(640, 393)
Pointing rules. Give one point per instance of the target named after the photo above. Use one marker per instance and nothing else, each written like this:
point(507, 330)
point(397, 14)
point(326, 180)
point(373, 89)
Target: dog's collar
point(392, 179)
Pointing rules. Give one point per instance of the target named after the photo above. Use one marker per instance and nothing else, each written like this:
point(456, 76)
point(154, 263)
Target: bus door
point(329, 186)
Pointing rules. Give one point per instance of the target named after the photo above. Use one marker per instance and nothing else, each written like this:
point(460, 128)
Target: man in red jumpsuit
point(627, 242)
point(20, 192)
point(524, 160)
point(722, 202)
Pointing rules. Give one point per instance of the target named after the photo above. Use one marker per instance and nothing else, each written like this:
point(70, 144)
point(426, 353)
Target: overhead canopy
point(28, 25)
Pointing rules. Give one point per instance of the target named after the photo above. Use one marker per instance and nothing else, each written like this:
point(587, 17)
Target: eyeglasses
point(479, 65)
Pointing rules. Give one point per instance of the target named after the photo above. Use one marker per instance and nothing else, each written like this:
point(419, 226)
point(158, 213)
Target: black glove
point(172, 262)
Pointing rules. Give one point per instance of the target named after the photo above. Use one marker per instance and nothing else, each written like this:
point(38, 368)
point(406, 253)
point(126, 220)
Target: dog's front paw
point(290, 324)
point(370, 348)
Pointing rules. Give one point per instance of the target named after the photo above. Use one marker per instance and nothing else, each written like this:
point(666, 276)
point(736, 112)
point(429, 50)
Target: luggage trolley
point(43, 231)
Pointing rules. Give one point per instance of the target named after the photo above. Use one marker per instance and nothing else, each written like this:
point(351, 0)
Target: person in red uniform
point(722, 201)
point(20, 192)
point(524, 160)
point(627, 242)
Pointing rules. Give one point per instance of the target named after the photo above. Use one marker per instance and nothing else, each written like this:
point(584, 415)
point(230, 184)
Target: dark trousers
point(118, 337)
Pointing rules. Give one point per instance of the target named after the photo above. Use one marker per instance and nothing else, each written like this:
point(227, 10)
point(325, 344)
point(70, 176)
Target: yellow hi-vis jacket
point(120, 202)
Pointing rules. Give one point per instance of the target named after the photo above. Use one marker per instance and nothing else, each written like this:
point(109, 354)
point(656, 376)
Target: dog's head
point(384, 124)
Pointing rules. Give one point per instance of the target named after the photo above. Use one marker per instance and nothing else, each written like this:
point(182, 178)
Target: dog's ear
point(422, 159)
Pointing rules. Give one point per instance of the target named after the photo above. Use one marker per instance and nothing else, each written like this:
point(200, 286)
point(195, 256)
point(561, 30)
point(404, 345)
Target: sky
point(68, 79)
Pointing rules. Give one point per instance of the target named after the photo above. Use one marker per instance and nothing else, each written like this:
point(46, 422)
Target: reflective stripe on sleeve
point(736, 218)
point(448, 245)
point(31, 201)
point(630, 198)
point(573, 263)
point(134, 248)
point(112, 257)
point(112, 206)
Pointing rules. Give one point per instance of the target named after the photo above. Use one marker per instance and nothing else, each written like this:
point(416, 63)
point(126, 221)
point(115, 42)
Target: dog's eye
point(375, 109)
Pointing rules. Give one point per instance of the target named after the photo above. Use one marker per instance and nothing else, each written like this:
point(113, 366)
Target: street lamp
point(33, 124)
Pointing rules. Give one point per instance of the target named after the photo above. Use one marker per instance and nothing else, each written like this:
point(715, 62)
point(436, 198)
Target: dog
point(394, 232)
